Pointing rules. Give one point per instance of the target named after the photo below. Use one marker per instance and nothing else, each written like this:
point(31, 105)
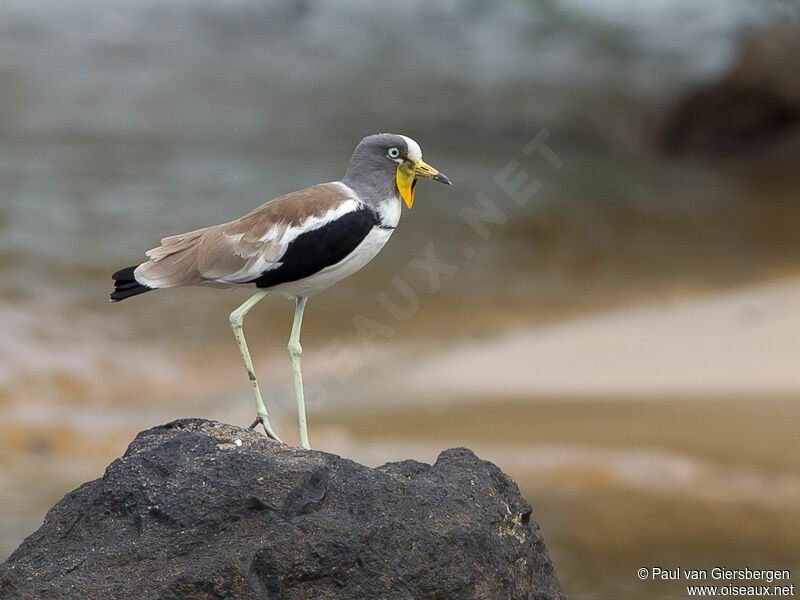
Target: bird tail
point(125, 285)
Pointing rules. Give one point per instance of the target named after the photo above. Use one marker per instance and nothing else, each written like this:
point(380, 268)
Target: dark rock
point(753, 110)
point(187, 512)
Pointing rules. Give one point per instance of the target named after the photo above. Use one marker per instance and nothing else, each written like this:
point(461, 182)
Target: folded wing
point(246, 249)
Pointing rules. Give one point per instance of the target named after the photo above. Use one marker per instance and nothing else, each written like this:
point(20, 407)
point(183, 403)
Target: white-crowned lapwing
point(298, 244)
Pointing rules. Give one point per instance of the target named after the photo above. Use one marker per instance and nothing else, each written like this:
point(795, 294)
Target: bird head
point(388, 155)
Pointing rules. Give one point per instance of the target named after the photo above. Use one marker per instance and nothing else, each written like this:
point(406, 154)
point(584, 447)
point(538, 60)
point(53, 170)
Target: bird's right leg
point(236, 319)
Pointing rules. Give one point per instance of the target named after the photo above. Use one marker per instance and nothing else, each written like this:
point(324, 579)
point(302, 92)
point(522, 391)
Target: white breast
point(389, 211)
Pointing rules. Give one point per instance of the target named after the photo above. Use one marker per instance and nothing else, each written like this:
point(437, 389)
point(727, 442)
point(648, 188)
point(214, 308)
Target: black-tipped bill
point(442, 178)
point(407, 173)
point(425, 170)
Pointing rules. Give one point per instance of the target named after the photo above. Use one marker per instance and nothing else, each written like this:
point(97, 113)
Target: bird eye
point(393, 153)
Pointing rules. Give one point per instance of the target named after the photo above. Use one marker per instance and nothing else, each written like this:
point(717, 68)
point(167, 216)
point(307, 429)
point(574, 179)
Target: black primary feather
point(125, 285)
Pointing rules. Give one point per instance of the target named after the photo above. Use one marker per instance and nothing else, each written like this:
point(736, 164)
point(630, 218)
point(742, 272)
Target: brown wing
point(243, 249)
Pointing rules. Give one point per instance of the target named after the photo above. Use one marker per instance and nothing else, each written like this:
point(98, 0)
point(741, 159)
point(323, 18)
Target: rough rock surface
point(199, 509)
point(753, 110)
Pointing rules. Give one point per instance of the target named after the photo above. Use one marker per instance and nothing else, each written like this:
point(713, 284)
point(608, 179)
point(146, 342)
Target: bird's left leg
point(236, 320)
point(295, 352)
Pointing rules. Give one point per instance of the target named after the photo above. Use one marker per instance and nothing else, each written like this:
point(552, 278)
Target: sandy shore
point(741, 343)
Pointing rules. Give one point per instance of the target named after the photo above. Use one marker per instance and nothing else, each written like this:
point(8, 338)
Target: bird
point(298, 244)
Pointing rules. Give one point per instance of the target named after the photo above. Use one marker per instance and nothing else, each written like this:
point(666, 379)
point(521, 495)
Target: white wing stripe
point(250, 271)
point(285, 236)
point(310, 223)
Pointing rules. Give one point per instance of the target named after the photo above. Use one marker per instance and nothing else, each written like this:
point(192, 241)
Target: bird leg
point(236, 318)
point(295, 352)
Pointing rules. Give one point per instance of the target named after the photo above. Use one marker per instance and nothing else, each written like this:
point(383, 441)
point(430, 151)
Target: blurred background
point(625, 343)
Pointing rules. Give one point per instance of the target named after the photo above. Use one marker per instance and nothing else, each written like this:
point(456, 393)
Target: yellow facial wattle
point(406, 178)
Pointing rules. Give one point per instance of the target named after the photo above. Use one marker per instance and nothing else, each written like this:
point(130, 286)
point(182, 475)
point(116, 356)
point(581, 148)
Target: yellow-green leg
point(295, 352)
point(236, 319)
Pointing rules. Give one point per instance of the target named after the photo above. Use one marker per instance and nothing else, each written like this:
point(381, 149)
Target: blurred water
point(128, 120)
point(124, 123)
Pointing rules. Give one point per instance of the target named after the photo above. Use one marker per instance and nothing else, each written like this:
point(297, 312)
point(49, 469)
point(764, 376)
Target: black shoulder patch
point(312, 251)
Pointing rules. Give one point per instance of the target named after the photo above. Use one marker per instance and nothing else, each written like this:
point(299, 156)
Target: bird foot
point(267, 429)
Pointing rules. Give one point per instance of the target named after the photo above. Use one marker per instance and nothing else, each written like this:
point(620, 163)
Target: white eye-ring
point(393, 153)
